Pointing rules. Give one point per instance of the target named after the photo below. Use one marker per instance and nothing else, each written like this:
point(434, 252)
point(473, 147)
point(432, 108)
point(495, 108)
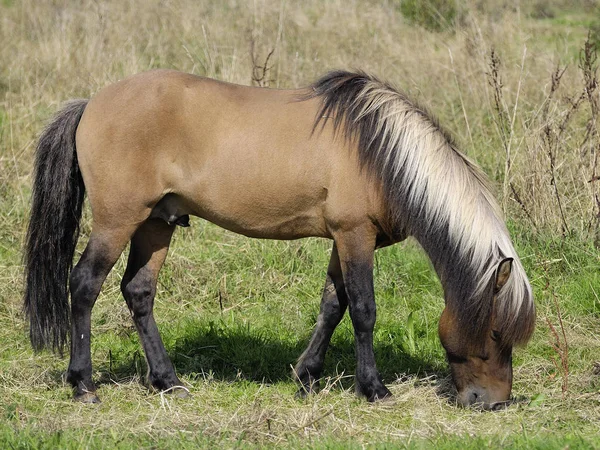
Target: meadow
point(515, 83)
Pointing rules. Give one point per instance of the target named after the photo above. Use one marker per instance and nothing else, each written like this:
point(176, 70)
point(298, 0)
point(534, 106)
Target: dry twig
point(588, 58)
point(560, 344)
point(260, 71)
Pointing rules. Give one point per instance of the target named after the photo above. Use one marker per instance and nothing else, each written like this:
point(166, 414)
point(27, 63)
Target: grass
point(236, 313)
point(236, 359)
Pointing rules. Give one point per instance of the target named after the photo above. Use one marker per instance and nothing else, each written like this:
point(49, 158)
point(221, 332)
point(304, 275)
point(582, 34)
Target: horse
point(349, 158)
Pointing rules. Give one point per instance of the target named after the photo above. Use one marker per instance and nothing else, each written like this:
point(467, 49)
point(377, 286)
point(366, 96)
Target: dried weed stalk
point(567, 133)
point(590, 146)
point(521, 203)
point(553, 137)
point(554, 132)
point(260, 71)
point(501, 118)
point(505, 122)
point(560, 343)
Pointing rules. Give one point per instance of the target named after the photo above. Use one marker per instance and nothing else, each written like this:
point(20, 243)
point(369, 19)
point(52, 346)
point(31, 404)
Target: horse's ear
point(503, 272)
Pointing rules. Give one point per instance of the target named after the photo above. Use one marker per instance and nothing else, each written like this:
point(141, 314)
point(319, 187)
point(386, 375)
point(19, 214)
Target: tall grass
point(525, 129)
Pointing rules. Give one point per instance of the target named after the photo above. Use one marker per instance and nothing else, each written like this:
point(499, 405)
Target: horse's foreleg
point(356, 251)
point(148, 251)
point(86, 279)
point(333, 306)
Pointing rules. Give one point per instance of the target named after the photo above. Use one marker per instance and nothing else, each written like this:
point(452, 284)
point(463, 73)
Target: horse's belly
point(296, 227)
point(260, 210)
point(261, 216)
point(258, 185)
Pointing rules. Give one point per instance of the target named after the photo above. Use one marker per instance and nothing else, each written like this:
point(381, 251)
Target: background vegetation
point(516, 84)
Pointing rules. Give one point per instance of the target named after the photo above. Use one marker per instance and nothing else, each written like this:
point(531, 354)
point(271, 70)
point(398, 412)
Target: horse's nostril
point(470, 397)
point(473, 397)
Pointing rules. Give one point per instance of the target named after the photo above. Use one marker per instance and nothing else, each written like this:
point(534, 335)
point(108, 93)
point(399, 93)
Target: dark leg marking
point(85, 282)
point(333, 306)
point(358, 277)
point(356, 249)
point(149, 248)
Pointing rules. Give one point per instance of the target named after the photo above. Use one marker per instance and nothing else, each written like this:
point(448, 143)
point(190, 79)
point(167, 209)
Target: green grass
point(235, 313)
point(237, 360)
point(30, 439)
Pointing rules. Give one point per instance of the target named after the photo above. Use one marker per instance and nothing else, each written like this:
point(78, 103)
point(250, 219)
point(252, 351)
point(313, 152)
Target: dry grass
point(53, 51)
point(524, 128)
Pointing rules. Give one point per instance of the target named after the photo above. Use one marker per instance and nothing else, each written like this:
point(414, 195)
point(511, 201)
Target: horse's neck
point(453, 266)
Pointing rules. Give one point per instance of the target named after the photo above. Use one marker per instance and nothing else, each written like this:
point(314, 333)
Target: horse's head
point(482, 368)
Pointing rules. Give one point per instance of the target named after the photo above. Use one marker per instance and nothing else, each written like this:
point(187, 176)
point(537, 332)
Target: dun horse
point(349, 158)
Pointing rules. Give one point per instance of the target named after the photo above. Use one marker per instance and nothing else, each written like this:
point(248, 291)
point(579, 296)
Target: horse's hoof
point(87, 397)
point(308, 389)
point(380, 397)
point(303, 393)
point(177, 392)
point(378, 394)
point(181, 392)
point(387, 397)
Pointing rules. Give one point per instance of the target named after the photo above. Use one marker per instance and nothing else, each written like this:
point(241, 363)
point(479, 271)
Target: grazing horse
point(349, 158)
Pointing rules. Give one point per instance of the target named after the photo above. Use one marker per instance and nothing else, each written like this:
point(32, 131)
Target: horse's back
point(244, 158)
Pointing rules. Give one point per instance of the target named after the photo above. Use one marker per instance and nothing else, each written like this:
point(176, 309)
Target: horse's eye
point(455, 359)
point(495, 335)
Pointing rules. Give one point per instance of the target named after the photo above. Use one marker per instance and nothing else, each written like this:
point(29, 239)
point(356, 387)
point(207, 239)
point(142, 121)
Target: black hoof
point(87, 397)
point(180, 392)
point(307, 388)
point(381, 396)
point(305, 392)
point(177, 391)
point(302, 394)
point(374, 394)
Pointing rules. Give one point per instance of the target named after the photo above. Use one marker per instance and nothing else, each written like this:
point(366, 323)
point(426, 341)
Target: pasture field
point(514, 82)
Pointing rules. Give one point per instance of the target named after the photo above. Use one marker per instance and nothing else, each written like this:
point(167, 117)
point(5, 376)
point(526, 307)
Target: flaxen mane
point(437, 195)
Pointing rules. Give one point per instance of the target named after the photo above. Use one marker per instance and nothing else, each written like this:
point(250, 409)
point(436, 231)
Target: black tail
point(53, 230)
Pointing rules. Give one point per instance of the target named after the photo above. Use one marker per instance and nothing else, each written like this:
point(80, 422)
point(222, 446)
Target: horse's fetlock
point(306, 370)
point(372, 387)
point(163, 381)
point(73, 377)
point(137, 291)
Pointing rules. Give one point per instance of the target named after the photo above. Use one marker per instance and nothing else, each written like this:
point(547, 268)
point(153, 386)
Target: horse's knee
point(78, 279)
point(139, 293)
point(89, 273)
point(332, 309)
point(363, 314)
point(84, 284)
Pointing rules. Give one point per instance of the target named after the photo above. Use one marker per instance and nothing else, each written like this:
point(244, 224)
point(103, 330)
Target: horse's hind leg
point(101, 252)
point(148, 251)
point(333, 306)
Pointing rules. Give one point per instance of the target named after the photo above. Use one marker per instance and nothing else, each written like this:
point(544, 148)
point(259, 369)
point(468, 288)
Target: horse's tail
point(57, 200)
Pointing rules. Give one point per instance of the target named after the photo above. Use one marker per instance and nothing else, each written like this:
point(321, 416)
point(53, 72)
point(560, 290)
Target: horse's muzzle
point(479, 398)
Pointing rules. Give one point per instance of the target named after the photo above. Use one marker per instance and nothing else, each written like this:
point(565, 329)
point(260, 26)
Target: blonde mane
point(437, 195)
